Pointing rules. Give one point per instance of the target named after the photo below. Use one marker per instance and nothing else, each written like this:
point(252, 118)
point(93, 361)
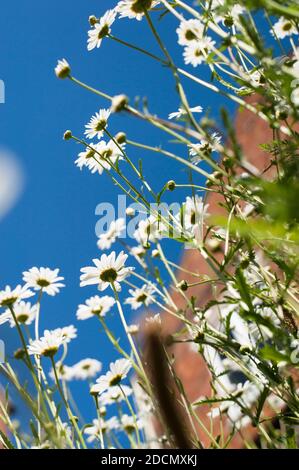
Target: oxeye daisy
point(110, 151)
point(62, 69)
point(283, 28)
point(44, 279)
point(194, 211)
point(101, 29)
point(118, 371)
point(25, 313)
point(129, 424)
point(95, 306)
point(115, 395)
point(86, 369)
point(64, 372)
point(97, 124)
point(47, 345)
point(138, 251)
point(5, 317)
point(100, 427)
point(182, 112)
point(196, 52)
point(67, 333)
point(189, 31)
point(141, 296)
point(154, 320)
point(10, 296)
point(115, 230)
point(109, 270)
point(149, 230)
point(205, 145)
point(91, 158)
point(134, 9)
point(133, 329)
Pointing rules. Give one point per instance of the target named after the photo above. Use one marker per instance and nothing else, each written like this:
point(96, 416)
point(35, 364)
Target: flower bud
point(119, 102)
point(62, 69)
point(67, 135)
point(19, 354)
point(171, 185)
point(93, 20)
point(94, 390)
point(183, 285)
point(130, 212)
point(121, 138)
point(155, 254)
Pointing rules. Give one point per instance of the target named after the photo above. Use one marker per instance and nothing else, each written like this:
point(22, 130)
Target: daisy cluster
point(232, 307)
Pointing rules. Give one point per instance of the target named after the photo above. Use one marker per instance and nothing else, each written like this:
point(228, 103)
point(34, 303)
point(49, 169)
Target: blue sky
point(53, 222)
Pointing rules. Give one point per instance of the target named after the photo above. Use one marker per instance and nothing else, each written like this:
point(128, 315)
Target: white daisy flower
point(142, 296)
point(112, 152)
point(86, 369)
point(115, 395)
point(5, 317)
point(91, 158)
point(284, 27)
point(100, 426)
point(115, 230)
point(44, 279)
point(67, 333)
point(138, 251)
point(196, 52)
point(295, 97)
point(154, 320)
point(10, 296)
point(129, 425)
point(190, 31)
point(64, 372)
point(182, 112)
point(100, 30)
point(204, 145)
point(109, 270)
point(194, 212)
point(25, 313)
point(232, 14)
point(97, 124)
point(100, 156)
point(118, 371)
point(62, 69)
point(95, 306)
point(134, 9)
point(236, 11)
point(149, 230)
point(133, 329)
point(47, 345)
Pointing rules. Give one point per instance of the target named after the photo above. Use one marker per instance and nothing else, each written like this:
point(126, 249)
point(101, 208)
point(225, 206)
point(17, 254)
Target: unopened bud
point(62, 69)
point(119, 102)
point(171, 185)
point(121, 138)
point(183, 285)
point(19, 354)
point(130, 212)
point(67, 135)
point(93, 20)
